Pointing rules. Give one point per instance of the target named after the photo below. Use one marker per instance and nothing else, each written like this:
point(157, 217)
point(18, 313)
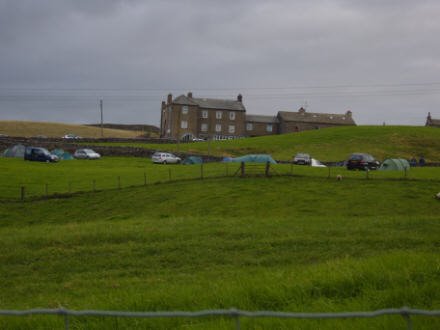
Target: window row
point(218, 114)
point(250, 127)
point(204, 127)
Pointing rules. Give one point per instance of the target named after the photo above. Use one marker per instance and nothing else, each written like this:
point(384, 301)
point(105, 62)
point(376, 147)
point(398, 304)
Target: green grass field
point(289, 243)
point(73, 176)
point(330, 144)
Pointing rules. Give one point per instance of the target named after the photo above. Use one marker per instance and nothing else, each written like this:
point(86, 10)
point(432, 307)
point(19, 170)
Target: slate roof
point(311, 117)
point(262, 119)
point(210, 103)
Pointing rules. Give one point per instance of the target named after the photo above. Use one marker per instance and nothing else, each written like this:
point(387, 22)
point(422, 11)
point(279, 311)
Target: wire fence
point(64, 183)
point(234, 314)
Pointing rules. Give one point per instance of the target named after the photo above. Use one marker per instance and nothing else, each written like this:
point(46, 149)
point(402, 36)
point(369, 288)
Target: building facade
point(187, 118)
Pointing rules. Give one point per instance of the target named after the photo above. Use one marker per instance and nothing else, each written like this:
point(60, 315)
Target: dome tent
point(394, 164)
point(16, 151)
point(259, 158)
point(61, 154)
point(192, 160)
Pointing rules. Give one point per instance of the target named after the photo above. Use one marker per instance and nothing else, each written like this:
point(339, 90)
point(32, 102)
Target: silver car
point(86, 154)
point(165, 158)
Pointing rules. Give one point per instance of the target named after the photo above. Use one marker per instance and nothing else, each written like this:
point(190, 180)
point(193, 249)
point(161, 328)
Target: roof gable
point(206, 103)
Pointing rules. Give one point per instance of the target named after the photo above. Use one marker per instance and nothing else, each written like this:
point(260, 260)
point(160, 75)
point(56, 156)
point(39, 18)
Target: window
point(204, 114)
point(218, 127)
point(204, 127)
point(232, 115)
point(249, 126)
point(183, 124)
point(184, 109)
point(269, 127)
point(218, 114)
point(231, 129)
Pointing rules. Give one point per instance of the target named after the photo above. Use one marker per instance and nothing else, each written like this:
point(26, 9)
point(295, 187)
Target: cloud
point(70, 52)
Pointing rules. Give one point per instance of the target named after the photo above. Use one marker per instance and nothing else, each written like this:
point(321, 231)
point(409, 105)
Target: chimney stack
point(170, 99)
point(240, 98)
point(348, 113)
point(302, 110)
point(190, 95)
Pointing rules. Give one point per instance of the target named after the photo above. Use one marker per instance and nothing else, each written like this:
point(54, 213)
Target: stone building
point(290, 122)
point(432, 122)
point(257, 125)
point(187, 117)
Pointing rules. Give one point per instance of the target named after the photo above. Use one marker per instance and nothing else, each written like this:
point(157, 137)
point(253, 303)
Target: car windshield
point(88, 151)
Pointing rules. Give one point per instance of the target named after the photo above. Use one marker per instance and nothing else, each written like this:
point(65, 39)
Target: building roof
point(210, 103)
point(262, 119)
point(312, 117)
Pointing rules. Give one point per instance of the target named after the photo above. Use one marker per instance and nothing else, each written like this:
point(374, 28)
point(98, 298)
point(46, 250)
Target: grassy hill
point(301, 243)
point(330, 144)
point(29, 129)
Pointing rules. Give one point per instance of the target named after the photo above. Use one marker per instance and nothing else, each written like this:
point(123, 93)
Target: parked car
point(39, 155)
point(165, 158)
point(86, 154)
point(302, 159)
point(71, 137)
point(361, 161)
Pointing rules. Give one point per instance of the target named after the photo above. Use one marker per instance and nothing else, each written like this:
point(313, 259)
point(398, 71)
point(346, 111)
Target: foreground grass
point(330, 144)
point(292, 244)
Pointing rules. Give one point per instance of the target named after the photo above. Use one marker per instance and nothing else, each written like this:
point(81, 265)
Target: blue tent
point(259, 158)
point(192, 160)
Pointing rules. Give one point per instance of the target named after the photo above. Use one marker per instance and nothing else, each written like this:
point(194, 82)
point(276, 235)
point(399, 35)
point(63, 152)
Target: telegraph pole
point(102, 117)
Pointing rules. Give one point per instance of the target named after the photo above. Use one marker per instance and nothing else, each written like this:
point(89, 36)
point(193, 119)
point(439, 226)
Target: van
point(39, 154)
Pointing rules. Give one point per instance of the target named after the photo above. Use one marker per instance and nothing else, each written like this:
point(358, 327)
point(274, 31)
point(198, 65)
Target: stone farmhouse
point(186, 118)
point(432, 122)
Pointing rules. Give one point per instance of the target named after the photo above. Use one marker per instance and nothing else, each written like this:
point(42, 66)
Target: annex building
point(186, 118)
point(432, 122)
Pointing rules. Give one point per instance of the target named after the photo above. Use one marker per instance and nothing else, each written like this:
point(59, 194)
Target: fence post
point(22, 193)
point(227, 169)
point(267, 170)
point(329, 171)
point(407, 317)
point(291, 168)
point(242, 169)
point(201, 171)
point(405, 171)
point(145, 179)
point(367, 173)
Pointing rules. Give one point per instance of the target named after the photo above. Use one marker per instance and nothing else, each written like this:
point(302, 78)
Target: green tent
point(192, 160)
point(259, 158)
point(16, 151)
point(396, 164)
point(62, 155)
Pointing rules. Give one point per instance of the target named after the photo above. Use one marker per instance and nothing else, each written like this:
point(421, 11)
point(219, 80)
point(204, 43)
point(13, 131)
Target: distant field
point(304, 244)
point(330, 144)
point(29, 129)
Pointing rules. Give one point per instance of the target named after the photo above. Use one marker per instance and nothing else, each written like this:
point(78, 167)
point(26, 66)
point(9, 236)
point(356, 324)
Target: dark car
point(302, 159)
point(39, 155)
point(360, 161)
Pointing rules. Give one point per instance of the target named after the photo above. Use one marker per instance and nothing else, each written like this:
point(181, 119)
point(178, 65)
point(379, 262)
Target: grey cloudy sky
point(380, 59)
